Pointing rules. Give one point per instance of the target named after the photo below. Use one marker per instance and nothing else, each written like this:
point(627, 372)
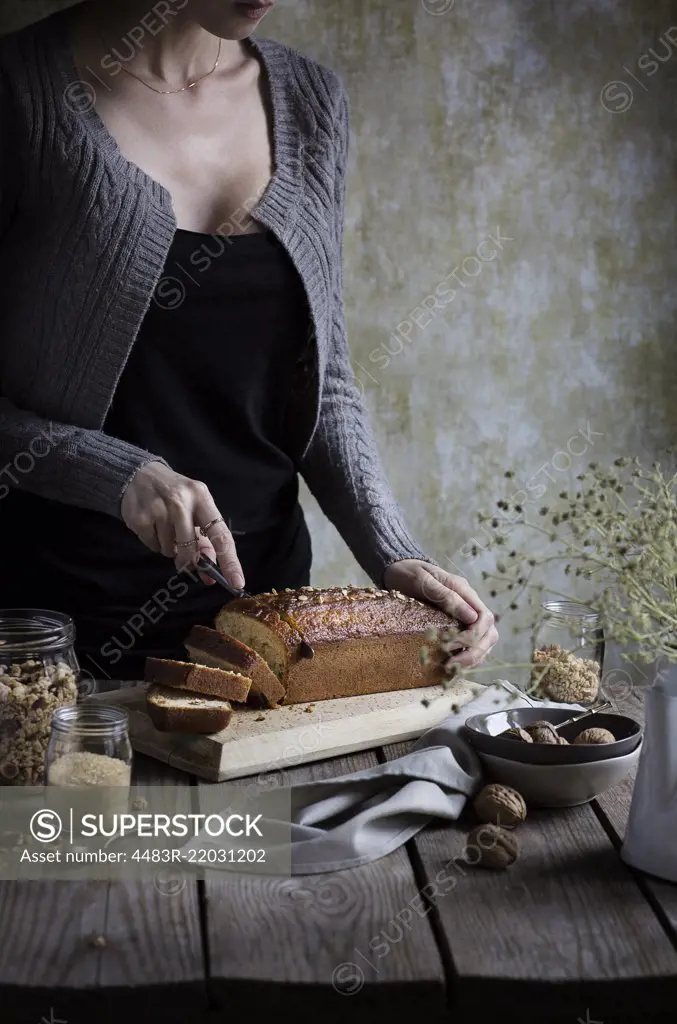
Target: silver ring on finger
point(208, 526)
point(187, 543)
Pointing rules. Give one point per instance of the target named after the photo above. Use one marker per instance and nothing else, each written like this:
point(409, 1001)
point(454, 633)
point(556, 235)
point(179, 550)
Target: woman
point(171, 218)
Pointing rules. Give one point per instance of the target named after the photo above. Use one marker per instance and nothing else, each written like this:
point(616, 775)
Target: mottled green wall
point(494, 115)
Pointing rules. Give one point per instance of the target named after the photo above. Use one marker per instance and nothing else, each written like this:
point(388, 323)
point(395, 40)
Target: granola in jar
point(38, 674)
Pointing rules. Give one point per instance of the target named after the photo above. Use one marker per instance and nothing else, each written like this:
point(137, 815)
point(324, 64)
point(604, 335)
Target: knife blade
point(211, 569)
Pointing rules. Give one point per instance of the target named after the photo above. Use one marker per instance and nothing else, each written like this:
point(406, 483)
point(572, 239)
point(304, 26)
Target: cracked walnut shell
point(491, 847)
point(500, 805)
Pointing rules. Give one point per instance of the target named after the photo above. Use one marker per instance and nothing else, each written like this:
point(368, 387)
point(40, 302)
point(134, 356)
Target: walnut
point(543, 732)
point(517, 734)
point(595, 735)
point(491, 847)
point(500, 805)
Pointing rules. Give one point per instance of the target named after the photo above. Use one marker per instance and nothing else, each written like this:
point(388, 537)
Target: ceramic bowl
point(559, 785)
point(481, 731)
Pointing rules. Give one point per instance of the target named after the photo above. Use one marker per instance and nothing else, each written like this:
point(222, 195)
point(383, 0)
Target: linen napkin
point(354, 819)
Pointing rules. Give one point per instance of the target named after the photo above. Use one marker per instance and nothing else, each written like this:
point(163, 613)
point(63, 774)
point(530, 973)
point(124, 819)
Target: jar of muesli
point(568, 653)
point(38, 674)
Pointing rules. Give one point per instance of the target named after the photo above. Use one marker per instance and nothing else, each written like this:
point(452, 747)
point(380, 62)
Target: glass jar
point(38, 674)
point(568, 653)
point(89, 746)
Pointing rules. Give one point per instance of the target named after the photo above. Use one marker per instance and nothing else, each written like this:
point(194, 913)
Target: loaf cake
point(364, 640)
point(174, 711)
point(198, 678)
point(209, 647)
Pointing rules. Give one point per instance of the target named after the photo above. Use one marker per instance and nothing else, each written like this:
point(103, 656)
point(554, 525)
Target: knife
point(211, 569)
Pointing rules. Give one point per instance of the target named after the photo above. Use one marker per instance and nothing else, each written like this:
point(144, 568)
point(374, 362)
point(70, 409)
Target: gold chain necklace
point(170, 92)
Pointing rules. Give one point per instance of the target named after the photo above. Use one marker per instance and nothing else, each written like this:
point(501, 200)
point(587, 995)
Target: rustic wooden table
point(568, 934)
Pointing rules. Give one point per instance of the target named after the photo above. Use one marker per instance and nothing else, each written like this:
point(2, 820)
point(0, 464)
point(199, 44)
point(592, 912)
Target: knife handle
point(211, 569)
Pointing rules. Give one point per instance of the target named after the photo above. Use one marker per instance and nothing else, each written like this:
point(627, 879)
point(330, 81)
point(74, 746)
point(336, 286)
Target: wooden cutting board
point(259, 741)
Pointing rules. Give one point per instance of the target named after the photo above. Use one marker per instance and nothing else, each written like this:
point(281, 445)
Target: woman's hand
point(455, 596)
point(165, 511)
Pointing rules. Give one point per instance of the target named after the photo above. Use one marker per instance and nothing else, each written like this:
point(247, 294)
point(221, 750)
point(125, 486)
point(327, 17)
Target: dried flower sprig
point(618, 531)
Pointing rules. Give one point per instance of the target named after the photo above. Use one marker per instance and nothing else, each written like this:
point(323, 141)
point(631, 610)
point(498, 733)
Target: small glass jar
point(38, 674)
point(89, 746)
point(568, 652)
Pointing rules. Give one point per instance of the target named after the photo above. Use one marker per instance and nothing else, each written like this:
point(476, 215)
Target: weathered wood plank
point(153, 928)
point(305, 944)
point(152, 960)
point(565, 930)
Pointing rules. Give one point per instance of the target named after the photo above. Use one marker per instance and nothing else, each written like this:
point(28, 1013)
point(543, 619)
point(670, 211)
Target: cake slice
point(209, 647)
point(175, 711)
point(198, 678)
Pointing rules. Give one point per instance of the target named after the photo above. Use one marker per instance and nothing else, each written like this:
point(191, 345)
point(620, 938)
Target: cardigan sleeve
point(71, 464)
point(342, 466)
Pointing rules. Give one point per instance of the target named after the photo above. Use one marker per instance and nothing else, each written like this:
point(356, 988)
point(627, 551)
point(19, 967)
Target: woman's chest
point(213, 153)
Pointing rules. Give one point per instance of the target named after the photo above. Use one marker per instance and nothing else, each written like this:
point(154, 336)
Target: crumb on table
point(309, 709)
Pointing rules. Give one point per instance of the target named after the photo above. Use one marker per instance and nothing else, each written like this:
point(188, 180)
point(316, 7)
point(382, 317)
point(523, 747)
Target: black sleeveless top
point(209, 386)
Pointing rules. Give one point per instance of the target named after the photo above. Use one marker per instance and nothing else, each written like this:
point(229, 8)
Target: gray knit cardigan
point(84, 235)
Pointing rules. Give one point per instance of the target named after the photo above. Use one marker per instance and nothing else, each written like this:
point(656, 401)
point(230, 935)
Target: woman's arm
point(56, 460)
point(88, 468)
point(342, 466)
point(64, 462)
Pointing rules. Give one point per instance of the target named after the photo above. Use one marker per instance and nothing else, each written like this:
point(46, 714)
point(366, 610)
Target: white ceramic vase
point(650, 842)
